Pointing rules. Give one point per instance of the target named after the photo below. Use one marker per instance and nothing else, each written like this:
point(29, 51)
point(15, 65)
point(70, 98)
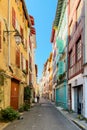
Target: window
point(21, 31)
point(0, 35)
point(78, 49)
point(17, 57)
point(25, 44)
point(22, 61)
point(71, 61)
point(13, 18)
point(72, 58)
point(30, 62)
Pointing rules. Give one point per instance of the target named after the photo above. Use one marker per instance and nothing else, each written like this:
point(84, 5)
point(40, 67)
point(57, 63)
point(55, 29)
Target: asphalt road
point(43, 116)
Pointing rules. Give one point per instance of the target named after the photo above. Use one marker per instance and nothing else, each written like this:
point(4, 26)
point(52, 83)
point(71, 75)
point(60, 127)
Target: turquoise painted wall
point(61, 95)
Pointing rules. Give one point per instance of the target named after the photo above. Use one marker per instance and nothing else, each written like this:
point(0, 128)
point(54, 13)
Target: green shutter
point(60, 67)
point(60, 45)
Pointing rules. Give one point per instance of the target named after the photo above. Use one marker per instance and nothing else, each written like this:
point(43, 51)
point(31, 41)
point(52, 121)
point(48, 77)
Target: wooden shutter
point(22, 61)
point(60, 45)
point(29, 42)
point(21, 31)
point(61, 67)
point(13, 18)
point(0, 35)
point(18, 57)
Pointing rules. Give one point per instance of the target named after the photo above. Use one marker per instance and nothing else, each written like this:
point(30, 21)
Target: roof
point(26, 13)
point(58, 12)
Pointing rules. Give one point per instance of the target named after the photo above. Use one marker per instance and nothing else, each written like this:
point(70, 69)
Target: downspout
point(8, 33)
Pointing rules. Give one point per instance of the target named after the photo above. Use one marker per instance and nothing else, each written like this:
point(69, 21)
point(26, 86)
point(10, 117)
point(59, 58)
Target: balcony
point(75, 69)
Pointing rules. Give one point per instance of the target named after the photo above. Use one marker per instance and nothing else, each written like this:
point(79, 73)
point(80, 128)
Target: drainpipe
point(8, 37)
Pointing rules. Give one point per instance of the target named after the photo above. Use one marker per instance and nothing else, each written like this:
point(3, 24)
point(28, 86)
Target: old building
point(15, 31)
point(32, 44)
point(54, 65)
point(50, 75)
point(61, 58)
point(76, 57)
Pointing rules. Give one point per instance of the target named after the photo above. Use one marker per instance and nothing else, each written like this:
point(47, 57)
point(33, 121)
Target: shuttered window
point(0, 35)
point(17, 57)
point(13, 18)
point(61, 67)
point(24, 64)
point(21, 31)
point(78, 49)
point(22, 61)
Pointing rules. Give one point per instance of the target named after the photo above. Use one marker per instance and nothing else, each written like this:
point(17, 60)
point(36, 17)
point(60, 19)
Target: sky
point(43, 12)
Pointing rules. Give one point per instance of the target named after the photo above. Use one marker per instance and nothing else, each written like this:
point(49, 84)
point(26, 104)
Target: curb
point(73, 121)
point(3, 126)
point(81, 126)
point(69, 119)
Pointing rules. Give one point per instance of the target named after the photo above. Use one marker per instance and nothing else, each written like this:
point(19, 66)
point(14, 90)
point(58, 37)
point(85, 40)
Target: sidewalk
point(73, 117)
point(3, 125)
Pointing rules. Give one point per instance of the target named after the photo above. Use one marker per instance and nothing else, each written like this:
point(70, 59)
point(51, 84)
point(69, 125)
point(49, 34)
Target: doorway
point(14, 93)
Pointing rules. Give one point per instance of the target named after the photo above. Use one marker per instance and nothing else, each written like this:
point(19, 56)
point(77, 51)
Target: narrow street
point(43, 116)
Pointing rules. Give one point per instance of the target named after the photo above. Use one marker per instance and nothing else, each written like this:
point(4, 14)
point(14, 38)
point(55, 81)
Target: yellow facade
point(50, 76)
point(9, 71)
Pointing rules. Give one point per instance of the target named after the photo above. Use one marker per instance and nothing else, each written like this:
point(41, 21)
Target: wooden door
point(14, 93)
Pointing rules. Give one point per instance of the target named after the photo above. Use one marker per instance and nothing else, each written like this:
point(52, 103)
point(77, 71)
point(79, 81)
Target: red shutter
point(13, 18)
point(18, 58)
point(32, 30)
point(21, 61)
point(27, 66)
point(21, 31)
point(25, 44)
point(0, 35)
point(31, 20)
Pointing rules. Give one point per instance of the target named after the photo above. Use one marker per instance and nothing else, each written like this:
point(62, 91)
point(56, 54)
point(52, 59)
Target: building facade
point(54, 66)
point(60, 23)
point(14, 64)
point(50, 75)
point(76, 53)
point(32, 71)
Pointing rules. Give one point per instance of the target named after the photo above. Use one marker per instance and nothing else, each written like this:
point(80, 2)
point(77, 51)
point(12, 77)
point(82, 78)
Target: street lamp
point(17, 36)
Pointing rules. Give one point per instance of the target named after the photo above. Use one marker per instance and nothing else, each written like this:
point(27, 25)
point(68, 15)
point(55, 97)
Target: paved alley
point(43, 116)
